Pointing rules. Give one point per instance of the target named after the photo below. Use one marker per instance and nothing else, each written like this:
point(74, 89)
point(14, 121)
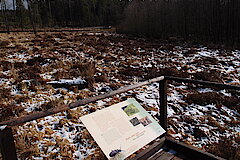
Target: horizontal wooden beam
point(188, 151)
point(211, 84)
point(62, 108)
point(59, 30)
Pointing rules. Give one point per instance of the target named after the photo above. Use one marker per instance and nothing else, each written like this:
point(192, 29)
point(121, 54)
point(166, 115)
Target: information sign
point(122, 129)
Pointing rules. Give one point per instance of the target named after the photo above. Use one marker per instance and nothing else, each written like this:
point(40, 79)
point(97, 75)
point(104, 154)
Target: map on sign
point(122, 129)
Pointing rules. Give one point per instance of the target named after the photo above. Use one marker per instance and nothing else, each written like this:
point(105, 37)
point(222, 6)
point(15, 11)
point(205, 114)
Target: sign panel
point(122, 129)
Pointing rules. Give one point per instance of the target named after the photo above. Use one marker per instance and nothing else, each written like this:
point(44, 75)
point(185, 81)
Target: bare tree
point(4, 14)
point(31, 16)
point(13, 5)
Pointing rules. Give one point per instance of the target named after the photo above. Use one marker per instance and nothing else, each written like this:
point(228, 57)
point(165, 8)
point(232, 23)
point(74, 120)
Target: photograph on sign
point(122, 129)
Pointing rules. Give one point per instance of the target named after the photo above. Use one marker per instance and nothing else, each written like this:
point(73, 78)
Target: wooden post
point(7, 145)
point(163, 103)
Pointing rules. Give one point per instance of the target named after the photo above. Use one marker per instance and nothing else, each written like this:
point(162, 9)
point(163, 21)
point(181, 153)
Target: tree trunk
point(31, 17)
point(4, 13)
point(13, 3)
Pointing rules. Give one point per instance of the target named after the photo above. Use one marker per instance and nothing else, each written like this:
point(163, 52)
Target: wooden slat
point(176, 158)
point(150, 150)
point(165, 156)
point(156, 155)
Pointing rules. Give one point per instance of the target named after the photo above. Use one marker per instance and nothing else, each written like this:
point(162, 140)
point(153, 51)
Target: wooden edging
point(183, 150)
point(62, 108)
point(189, 151)
point(211, 84)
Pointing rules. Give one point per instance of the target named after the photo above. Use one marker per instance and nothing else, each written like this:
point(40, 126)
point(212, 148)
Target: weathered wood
point(176, 158)
point(62, 108)
point(7, 145)
point(163, 103)
point(184, 151)
point(210, 84)
point(188, 151)
point(156, 155)
point(164, 156)
point(150, 150)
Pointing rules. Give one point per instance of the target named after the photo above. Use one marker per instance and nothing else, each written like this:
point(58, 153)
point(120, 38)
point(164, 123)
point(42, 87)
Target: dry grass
point(226, 148)
point(70, 70)
point(25, 143)
point(63, 62)
point(4, 43)
point(29, 72)
point(50, 104)
point(212, 122)
point(213, 98)
point(5, 94)
point(9, 111)
point(102, 78)
point(210, 75)
point(66, 150)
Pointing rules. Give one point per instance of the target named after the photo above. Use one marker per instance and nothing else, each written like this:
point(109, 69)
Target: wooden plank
point(62, 108)
point(145, 154)
point(156, 155)
point(176, 158)
point(189, 151)
point(165, 156)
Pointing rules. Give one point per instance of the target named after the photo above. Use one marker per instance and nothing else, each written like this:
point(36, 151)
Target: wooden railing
point(7, 145)
point(84, 29)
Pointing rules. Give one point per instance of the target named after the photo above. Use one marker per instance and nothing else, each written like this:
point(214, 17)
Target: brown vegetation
point(4, 43)
point(209, 75)
point(213, 98)
point(227, 148)
point(117, 62)
point(50, 104)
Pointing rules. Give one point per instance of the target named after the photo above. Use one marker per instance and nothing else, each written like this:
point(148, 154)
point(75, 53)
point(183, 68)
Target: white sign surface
point(125, 126)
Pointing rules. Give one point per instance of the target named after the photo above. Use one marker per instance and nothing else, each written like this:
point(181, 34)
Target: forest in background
point(60, 13)
point(215, 21)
